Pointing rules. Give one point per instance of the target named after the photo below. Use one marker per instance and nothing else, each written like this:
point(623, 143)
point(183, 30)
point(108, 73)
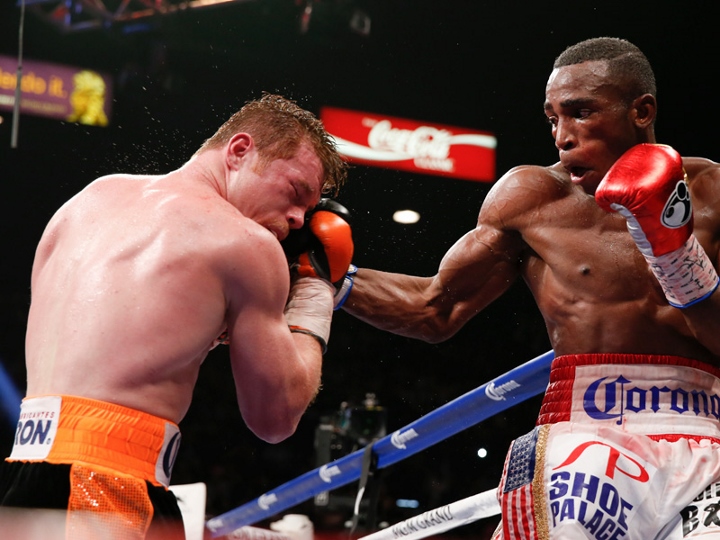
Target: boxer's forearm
point(703, 318)
point(392, 302)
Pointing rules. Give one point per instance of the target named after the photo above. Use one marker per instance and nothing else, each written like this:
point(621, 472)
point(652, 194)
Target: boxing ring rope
point(503, 392)
point(442, 519)
point(428, 523)
point(10, 397)
point(255, 533)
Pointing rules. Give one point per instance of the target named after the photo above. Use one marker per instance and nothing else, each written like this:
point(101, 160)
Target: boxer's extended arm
point(474, 272)
point(277, 372)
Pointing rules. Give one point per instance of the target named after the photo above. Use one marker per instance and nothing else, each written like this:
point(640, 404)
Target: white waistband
point(647, 399)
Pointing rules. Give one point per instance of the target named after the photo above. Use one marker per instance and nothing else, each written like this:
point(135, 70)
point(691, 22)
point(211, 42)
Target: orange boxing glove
point(323, 247)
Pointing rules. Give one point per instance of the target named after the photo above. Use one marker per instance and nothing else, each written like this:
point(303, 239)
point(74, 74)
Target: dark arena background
point(178, 74)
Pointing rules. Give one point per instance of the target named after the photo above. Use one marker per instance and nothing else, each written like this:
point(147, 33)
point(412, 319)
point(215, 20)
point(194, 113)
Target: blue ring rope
point(10, 398)
point(515, 386)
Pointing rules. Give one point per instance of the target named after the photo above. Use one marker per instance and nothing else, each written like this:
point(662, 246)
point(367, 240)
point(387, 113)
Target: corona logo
point(328, 471)
point(497, 393)
point(267, 500)
point(399, 439)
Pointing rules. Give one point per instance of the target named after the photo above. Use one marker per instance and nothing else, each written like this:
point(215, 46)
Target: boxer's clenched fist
point(647, 187)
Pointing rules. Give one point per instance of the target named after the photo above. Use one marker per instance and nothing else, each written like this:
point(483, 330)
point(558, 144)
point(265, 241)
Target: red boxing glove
point(647, 187)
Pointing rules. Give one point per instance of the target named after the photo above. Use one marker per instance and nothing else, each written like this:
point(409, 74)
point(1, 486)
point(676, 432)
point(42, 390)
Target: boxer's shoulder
point(695, 165)
point(702, 174)
point(703, 177)
point(534, 184)
point(529, 192)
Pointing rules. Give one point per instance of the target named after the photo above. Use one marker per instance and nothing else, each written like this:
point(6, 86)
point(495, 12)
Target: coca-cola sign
point(408, 145)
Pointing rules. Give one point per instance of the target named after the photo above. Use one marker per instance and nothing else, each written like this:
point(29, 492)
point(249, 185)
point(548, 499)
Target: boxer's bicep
point(479, 268)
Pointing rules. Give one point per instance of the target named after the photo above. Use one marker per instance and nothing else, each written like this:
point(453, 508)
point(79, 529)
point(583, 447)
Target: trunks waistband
point(69, 429)
point(645, 394)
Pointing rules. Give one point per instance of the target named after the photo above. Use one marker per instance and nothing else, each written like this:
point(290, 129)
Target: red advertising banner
point(57, 91)
point(409, 145)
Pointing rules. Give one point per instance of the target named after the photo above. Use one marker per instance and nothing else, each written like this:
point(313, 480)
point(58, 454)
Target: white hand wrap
point(686, 275)
point(309, 308)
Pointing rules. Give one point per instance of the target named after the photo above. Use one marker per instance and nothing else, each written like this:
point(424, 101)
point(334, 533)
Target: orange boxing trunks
point(108, 466)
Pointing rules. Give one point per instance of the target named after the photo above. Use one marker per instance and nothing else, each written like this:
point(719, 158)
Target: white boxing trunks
point(627, 446)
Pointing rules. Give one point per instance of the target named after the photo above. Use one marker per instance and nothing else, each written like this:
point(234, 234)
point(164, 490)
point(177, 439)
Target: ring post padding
point(511, 388)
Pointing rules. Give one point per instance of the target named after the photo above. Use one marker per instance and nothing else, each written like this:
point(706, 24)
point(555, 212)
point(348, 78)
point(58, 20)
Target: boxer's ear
point(239, 146)
point(644, 110)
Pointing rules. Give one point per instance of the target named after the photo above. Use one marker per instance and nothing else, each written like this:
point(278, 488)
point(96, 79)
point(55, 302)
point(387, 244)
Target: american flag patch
point(517, 497)
point(521, 464)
